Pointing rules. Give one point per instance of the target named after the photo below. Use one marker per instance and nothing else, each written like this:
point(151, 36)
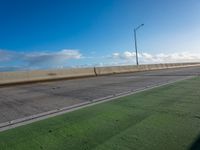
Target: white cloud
point(51, 58)
point(129, 57)
point(116, 55)
point(6, 55)
point(125, 55)
point(36, 60)
point(73, 58)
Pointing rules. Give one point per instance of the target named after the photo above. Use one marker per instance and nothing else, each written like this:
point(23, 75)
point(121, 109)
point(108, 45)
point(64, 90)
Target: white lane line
point(52, 113)
point(122, 93)
point(102, 98)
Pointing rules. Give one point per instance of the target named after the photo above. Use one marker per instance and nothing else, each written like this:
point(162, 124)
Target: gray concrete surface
point(25, 100)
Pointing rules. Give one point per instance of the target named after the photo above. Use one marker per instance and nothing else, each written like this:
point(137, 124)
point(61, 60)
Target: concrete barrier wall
point(42, 75)
point(126, 69)
point(115, 69)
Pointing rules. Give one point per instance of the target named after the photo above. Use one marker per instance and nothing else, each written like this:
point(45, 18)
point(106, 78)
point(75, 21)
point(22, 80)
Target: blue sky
point(97, 32)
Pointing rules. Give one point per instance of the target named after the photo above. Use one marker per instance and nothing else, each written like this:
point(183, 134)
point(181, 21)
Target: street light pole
point(135, 37)
point(136, 54)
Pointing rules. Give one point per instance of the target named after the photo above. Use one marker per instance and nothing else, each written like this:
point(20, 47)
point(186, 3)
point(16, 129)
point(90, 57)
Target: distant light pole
point(135, 37)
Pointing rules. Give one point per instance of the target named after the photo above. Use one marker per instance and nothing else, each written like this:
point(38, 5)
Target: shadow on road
point(196, 144)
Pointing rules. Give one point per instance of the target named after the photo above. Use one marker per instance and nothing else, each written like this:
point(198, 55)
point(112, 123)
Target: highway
point(19, 101)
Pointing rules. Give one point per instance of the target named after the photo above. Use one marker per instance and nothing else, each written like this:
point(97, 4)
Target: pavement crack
point(198, 117)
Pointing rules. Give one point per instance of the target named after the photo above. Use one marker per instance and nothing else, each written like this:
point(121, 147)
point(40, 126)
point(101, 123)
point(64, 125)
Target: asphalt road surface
point(21, 101)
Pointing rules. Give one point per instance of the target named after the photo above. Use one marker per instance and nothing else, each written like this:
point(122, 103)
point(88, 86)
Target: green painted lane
point(164, 118)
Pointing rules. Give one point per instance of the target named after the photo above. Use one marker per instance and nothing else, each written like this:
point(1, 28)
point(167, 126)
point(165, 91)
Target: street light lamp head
point(139, 26)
